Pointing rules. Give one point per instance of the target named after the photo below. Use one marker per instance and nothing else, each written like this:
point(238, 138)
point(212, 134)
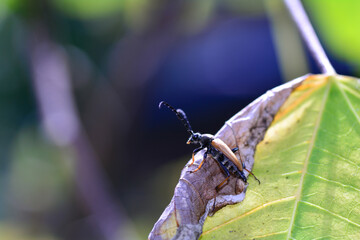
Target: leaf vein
point(349, 103)
point(337, 155)
point(349, 90)
point(333, 181)
point(269, 234)
point(332, 213)
point(250, 212)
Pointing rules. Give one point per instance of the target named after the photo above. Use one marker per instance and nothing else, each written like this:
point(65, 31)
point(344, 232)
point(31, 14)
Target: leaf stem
point(307, 32)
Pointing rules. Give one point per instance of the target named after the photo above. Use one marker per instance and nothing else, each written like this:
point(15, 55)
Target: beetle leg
point(205, 155)
point(253, 175)
point(194, 152)
point(226, 171)
point(222, 183)
point(234, 150)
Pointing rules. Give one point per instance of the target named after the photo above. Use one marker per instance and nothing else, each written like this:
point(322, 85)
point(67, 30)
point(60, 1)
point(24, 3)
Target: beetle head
point(194, 139)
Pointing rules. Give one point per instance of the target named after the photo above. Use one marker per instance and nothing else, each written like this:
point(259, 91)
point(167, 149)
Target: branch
point(307, 32)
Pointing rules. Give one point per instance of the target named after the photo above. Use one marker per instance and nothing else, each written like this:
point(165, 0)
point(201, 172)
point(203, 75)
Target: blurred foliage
point(338, 22)
point(37, 167)
point(124, 57)
point(14, 231)
point(88, 9)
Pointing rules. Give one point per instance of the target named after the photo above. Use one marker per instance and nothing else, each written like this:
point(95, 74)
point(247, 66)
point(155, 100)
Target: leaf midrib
point(308, 154)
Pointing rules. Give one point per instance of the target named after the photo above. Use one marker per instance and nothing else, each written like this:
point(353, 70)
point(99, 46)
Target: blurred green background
point(84, 151)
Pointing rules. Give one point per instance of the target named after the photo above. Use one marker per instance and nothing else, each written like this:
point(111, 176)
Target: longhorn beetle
point(221, 152)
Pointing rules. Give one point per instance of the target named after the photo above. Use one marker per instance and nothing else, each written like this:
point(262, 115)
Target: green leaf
point(308, 164)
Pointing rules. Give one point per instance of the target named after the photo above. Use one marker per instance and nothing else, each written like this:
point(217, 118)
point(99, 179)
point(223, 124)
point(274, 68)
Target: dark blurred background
point(85, 153)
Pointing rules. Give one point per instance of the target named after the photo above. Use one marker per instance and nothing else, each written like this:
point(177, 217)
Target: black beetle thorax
point(206, 140)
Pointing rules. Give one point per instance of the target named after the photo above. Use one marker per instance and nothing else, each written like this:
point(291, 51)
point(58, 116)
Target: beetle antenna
point(180, 115)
